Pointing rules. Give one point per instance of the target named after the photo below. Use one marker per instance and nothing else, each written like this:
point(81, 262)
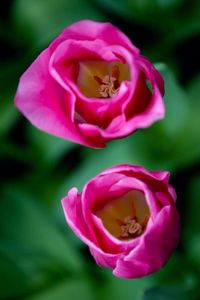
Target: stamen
point(130, 228)
point(126, 217)
point(109, 84)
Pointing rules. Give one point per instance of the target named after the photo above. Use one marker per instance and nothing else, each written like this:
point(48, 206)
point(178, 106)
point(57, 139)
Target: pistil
point(109, 84)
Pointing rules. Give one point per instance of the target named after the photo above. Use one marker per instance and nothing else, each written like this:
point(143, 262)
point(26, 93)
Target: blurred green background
point(40, 258)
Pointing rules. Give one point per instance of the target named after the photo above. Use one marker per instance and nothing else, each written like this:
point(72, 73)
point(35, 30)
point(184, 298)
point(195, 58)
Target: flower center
point(101, 79)
point(125, 217)
point(130, 228)
point(109, 84)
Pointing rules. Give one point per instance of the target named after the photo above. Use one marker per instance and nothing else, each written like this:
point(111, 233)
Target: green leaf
point(191, 238)
point(183, 26)
point(177, 104)
point(25, 270)
point(165, 293)
point(47, 18)
point(32, 228)
point(32, 246)
point(178, 272)
point(141, 9)
point(72, 289)
point(193, 90)
point(8, 113)
point(13, 280)
point(48, 149)
point(118, 288)
point(145, 12)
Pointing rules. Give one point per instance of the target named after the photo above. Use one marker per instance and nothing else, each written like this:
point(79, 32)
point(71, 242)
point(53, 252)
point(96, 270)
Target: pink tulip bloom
point(128, 218)
point(91, 85)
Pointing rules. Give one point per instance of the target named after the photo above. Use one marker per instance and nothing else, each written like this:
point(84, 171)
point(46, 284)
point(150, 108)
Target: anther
point(109, 84)
point(130, 228)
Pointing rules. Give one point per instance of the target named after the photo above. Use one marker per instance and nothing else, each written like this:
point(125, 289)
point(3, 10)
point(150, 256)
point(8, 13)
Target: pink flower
point(91, 85)
point(127, 217)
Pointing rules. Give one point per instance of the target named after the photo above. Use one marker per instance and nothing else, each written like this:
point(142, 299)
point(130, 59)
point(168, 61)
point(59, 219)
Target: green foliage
point(165, 293)
point(31, 245)
point(47, 148)
point(72, 289)
point(143, 9)
point(8, 115)
point(191, 237)
point(40, 258)
point(46, 18)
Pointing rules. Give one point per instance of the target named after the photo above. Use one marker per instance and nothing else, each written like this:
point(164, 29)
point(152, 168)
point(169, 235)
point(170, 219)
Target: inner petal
point(125, 217)
point(101, 79)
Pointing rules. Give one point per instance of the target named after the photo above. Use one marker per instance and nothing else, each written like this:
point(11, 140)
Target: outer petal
point(154, 109)
point(91, 30)
point(133, 170)
point(155, 246)
point(104, 259)
point(46, 104)
point(158, 181)
point(75, 219)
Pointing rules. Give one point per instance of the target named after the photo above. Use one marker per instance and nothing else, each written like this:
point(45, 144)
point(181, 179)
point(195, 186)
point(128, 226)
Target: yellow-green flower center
point(125, 217)
point(101, 79)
